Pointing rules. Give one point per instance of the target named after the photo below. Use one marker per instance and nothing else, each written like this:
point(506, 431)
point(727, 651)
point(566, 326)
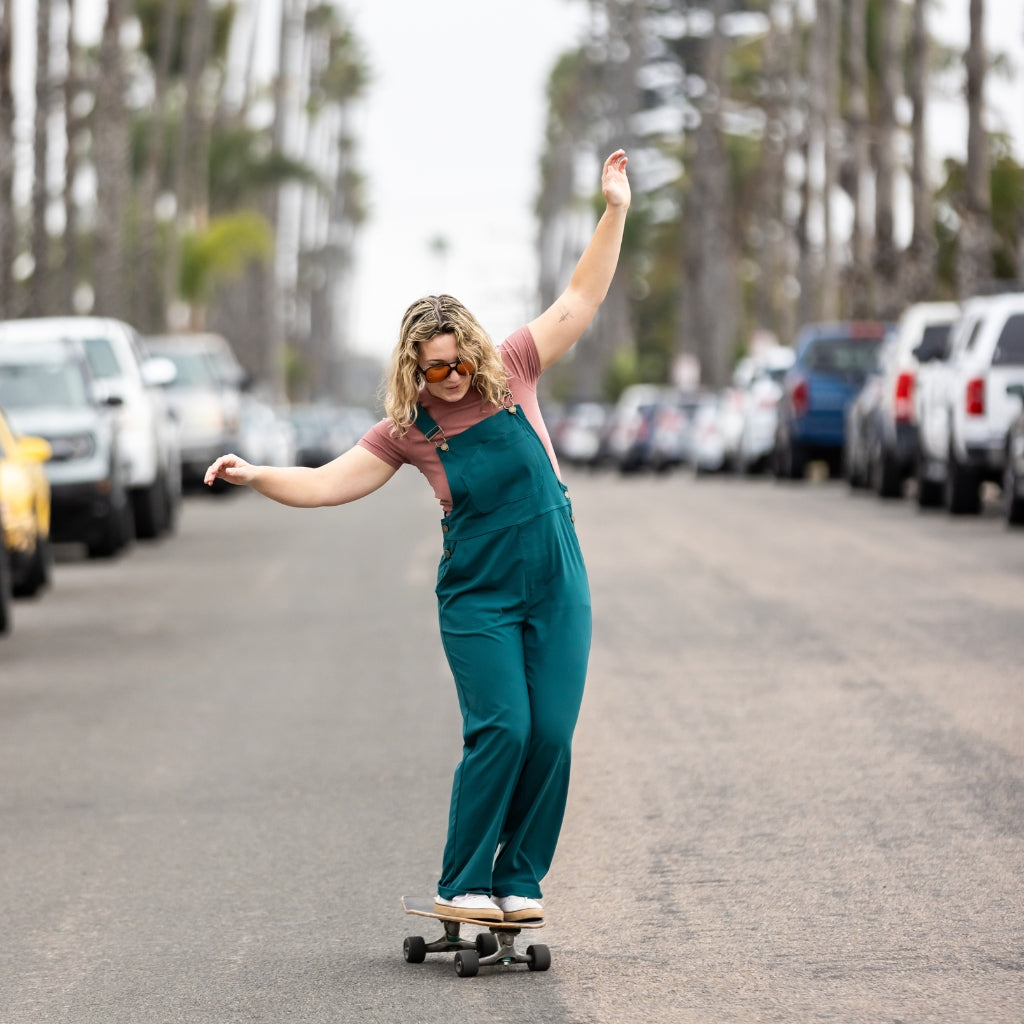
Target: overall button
point(512, 409)
point(444, 527)
point(447, 553)
point(567, 494)
point(444, 447)
point(572, 519)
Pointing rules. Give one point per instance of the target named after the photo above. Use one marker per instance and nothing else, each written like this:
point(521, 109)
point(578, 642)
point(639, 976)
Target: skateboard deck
point(492, 948)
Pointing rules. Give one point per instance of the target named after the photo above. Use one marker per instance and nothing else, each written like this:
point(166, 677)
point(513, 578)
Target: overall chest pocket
point(501, 471)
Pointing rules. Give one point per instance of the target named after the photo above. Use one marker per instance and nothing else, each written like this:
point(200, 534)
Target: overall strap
point(427, 425)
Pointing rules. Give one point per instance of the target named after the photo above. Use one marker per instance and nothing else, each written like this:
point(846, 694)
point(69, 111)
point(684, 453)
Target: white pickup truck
point(962, 407)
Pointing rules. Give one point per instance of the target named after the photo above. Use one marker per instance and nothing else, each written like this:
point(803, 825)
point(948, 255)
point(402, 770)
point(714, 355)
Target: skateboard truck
point(492, 948)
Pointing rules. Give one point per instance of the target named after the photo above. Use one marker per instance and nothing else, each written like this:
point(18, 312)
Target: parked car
point(323, 431)
point(672, 430)
point(708, 447)
point(759, 408)
point(962, 405)
point(630, 426)
point(892, 439)
point(860, 430)
point(25, 509)
point(148, 434)
point(1013, 464)
point(204, 397)
point(265, 437)
point(577, 433)
point(831, 363)
point(46, 390)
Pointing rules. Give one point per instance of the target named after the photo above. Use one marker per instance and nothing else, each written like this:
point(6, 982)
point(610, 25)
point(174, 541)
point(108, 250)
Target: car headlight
point(74, 446)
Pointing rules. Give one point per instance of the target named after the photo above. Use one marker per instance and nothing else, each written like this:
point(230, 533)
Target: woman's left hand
point(614, 183)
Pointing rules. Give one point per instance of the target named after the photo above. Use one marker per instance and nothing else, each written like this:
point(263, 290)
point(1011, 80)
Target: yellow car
point(24, 510)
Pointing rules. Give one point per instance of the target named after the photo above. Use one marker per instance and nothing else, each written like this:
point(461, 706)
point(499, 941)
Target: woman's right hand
point(232, 468)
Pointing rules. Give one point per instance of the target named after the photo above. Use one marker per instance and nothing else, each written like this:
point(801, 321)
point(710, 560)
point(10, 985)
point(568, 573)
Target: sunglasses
point(436, 374)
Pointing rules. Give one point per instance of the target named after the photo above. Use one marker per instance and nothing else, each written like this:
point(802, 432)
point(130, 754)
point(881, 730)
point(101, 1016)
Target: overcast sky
point(452, 129)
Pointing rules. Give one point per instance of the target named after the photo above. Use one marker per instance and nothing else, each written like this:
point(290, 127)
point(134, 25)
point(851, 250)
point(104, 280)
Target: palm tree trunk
point(828, 12)
point(859, 276)
point(110, 146)
point(920, 264)
point(8, 227)
point(714, 302)
point(72, 124)
point(974, 259)
point(149, 305)
point(886, 265)
point(39, 283)
point(809, 306)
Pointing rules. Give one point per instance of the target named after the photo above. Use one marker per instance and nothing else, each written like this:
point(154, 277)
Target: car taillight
point(800, 396)
point(975, 397)
point(905, 397)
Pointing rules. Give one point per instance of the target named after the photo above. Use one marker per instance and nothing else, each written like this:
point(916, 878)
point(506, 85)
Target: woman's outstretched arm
point(556, 330)
point(350, 476)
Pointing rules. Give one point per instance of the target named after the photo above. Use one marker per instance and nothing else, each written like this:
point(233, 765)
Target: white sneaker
point(471, 906)
point(520, 908)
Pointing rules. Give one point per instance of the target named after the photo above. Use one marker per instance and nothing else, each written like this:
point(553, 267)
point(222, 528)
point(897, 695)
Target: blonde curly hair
point(425, 319)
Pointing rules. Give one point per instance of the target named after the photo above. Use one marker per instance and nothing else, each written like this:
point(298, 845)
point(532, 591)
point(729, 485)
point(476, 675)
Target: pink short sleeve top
point(519, 354)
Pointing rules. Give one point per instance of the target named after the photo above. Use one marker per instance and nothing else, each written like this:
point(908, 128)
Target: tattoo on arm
point(565, 315)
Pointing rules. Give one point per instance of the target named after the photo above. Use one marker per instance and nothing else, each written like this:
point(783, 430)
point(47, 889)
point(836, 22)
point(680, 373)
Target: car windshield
point(842, 355)
point(39, 385)
point(194, 369)
point(102, 359)
point(1010, 348)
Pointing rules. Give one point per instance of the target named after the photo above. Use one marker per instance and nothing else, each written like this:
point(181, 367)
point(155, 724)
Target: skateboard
point(495, 947)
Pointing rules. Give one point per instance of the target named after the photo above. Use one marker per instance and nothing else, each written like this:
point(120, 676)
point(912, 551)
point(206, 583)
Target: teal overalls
point(514, 610)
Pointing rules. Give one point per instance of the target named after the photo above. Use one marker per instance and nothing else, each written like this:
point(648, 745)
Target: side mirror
point(34, 449)
point(158, 372)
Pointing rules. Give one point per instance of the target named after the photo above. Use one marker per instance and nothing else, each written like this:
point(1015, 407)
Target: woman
point(513, 600)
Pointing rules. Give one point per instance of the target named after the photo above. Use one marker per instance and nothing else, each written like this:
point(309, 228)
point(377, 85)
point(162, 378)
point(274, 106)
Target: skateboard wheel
point(467, 963)
point(415, 950)
point(486, 944)
point(540, 957)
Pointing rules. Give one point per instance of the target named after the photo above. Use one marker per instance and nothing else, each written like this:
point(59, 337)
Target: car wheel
point(886, 474)
point(963, 488)
point(929, 492)
point(6, 595)
point(1013, 503)
point(117, 533)
point(150, 508)
point(39, 572)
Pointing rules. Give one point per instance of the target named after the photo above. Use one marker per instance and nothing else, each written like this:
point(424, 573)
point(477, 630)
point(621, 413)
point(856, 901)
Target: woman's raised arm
point(350, 476)
point(556, 330)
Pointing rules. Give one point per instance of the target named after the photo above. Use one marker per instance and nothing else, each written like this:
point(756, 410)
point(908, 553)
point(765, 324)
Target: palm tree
point(858, 269)
point(149, 306)
point(39, 283)
point(111, 159)
point(8, 228)
point(974, 259)
point(920, 264)
point(886, 265)
point(72, 127)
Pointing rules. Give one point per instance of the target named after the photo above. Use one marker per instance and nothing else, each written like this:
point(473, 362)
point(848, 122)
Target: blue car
point(832, 362)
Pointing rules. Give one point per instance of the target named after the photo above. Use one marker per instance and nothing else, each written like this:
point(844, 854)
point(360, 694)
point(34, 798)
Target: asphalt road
point(798, 783)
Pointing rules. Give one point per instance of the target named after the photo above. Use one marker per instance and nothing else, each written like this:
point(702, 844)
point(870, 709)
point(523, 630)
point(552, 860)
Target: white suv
point(149, 435)
point(963, 409)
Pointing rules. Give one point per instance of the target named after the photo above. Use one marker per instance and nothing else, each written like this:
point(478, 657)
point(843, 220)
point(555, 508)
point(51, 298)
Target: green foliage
point(242, 165)
point(150, 13)
point(221, 252)
point(1006, 186)
point(623, 370)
